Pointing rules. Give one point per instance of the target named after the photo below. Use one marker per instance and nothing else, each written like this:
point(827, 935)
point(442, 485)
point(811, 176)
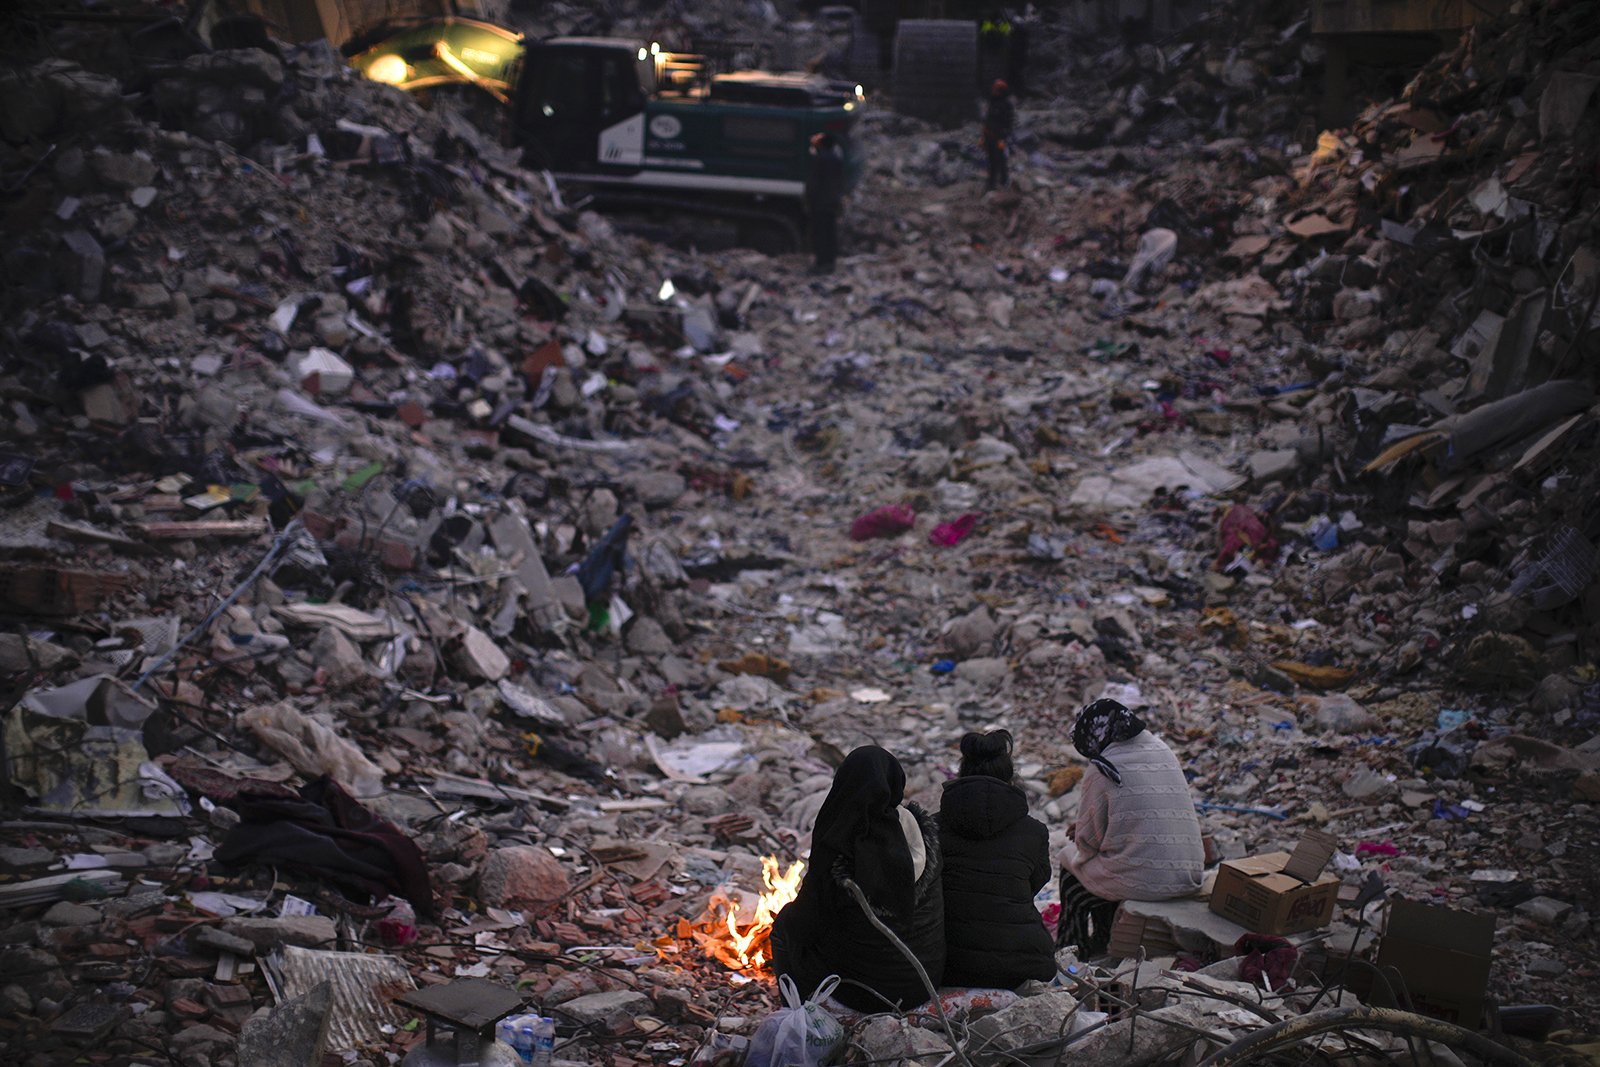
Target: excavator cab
point(577, 103)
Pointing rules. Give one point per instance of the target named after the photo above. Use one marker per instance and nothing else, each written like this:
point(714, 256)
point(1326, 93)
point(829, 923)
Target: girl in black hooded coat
point(995, 859)
point(890, 851)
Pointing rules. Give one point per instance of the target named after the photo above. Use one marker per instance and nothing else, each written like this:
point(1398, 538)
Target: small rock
point(521, 876)
point(599, 512)
point(1341, 714)
point(706, 800)
point(15, 1000)
point(65, 913)
point(122, 170)
point(1542, 967)
point(1369, 787)
point(440, 236)
point(665, 718)
point(1556, 692)
point(985, 672)
point(339, 657)
point(164, 855)
point(202, 1040)
point(656, 489)
point(645, 637)
point(16, 858)
point(971, 634)
point(613, 1012)
point(481, 657)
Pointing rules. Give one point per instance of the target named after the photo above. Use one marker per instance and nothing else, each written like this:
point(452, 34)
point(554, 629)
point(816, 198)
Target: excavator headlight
point(655, 49)
point(642, 52)
point(391, 69)
point(861, 94)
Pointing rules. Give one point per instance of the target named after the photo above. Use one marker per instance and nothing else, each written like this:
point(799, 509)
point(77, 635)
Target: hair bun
point(986, 746)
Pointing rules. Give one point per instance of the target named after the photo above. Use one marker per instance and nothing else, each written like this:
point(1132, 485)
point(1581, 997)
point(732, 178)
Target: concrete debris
point(348, 472)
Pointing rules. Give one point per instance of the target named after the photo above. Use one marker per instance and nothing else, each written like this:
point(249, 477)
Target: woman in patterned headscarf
point(1137, 836)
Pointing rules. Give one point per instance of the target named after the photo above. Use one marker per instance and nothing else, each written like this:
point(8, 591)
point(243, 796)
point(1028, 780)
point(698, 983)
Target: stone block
point(886, 1038)
point(16, 858)
point(1545, 910)
point(81, 263)
point(66, 913)
point(267, 933)
point(210, 937)
point(1029, 1021)
point(612, 1012)
point(122, 170)
point(292, 1034)
point(1274, 465)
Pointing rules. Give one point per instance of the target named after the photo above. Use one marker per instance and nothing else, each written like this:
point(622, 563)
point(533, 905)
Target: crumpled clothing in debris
point(1266, 957)
point(327, 832)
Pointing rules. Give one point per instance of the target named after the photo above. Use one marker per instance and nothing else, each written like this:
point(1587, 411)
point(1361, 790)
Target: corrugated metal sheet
point(364, 988)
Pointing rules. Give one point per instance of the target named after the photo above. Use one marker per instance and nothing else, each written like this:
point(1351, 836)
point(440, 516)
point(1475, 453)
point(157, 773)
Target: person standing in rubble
point(996, 857)
point(1137, 836)
point(998, 121)
point(824, 200)
point(865, 834)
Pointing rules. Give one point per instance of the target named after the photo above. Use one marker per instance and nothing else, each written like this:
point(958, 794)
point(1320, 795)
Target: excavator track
point(766, 229)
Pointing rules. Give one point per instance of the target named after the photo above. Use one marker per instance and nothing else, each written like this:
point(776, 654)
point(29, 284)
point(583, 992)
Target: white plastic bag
point(802, 1034)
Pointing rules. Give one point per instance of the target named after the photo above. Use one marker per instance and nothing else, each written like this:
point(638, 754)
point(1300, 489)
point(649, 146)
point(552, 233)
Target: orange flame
point(749, 950)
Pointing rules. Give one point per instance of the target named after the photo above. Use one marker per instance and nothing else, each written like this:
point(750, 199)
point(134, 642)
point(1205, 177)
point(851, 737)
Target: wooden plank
point(636, 804)
point(83, 534)
point(169, 531)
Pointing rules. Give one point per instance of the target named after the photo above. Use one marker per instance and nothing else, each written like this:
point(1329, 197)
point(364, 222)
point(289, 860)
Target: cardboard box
point(1443, 956)
point(1255, 893)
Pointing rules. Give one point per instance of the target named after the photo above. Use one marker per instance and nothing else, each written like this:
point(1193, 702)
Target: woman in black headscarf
point(892, 852)
point(1137, 836)
point(996, 857)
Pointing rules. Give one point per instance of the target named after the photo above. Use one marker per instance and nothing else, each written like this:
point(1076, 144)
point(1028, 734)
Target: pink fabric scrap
point(953, 533)
point(889, 521)
point(1386, 848)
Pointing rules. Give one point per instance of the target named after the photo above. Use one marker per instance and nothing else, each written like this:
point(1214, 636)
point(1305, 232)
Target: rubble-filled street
point(409, 574)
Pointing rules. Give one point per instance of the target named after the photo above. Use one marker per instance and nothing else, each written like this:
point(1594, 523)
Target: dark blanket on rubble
point(327, 832)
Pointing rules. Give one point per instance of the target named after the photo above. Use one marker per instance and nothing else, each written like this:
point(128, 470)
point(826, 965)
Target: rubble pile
point(353, 480)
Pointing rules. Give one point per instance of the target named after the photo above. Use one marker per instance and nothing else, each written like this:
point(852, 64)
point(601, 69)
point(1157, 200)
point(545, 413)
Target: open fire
point(738, 941)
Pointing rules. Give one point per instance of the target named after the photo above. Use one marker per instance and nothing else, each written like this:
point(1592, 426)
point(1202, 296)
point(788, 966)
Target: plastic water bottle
point(543, 1041)
point(514, 1031)
point(532, 1036)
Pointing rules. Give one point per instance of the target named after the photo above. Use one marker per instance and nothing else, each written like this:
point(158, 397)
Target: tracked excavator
point(634, 128)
